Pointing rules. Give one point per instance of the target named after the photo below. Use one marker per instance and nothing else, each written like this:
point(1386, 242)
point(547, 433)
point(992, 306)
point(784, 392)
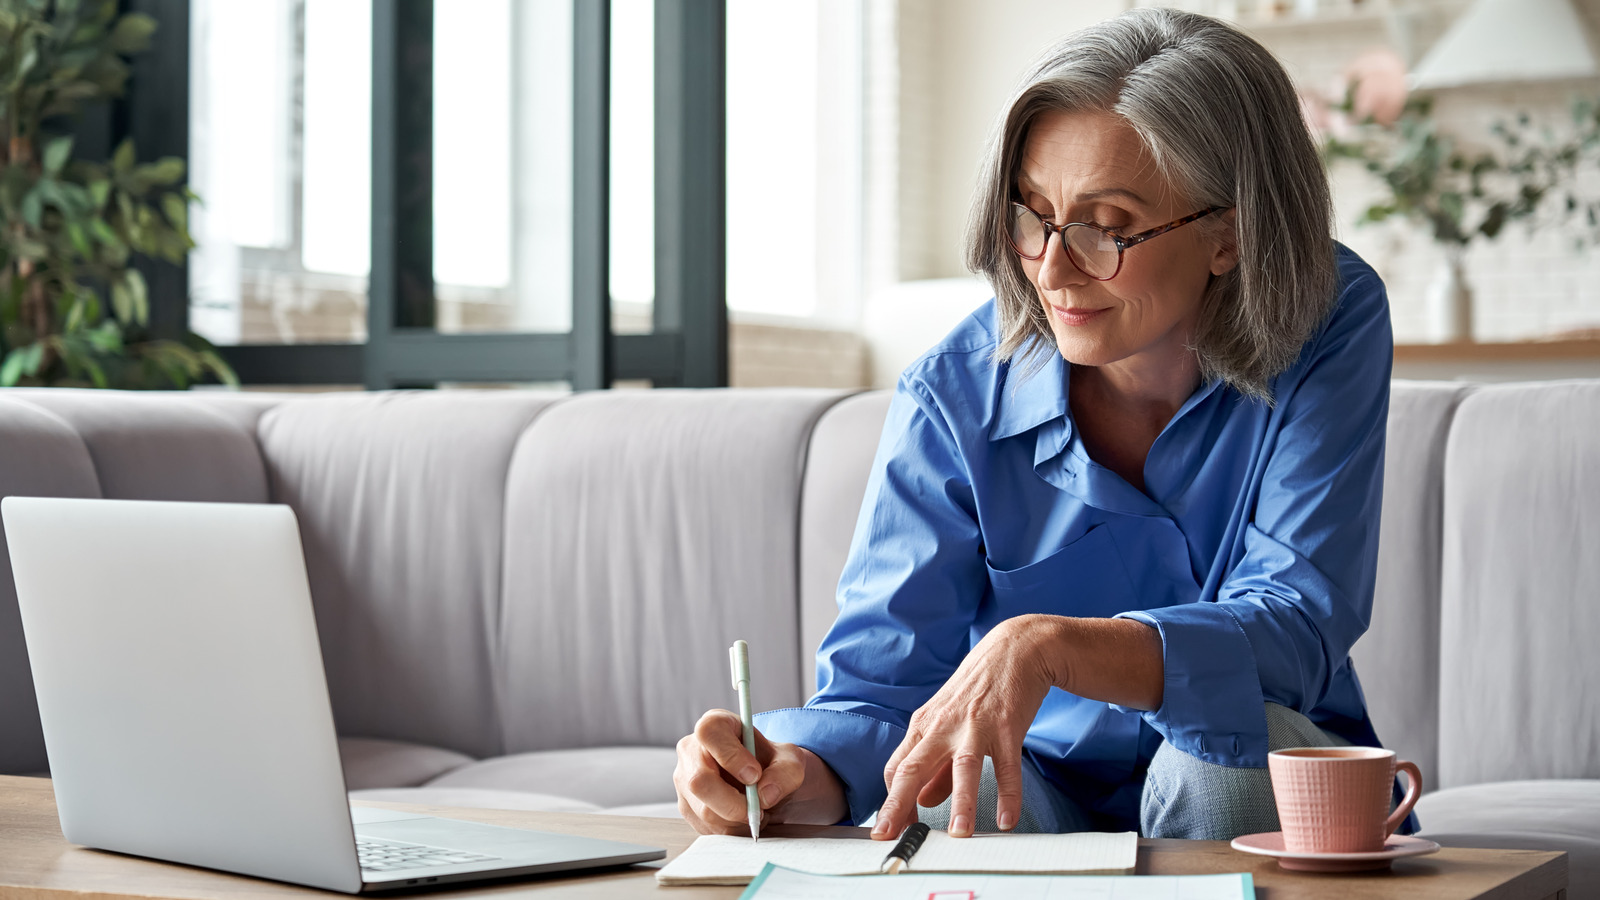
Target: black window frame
point(688, 346)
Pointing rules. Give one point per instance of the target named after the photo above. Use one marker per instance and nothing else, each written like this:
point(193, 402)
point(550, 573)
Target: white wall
point(960, 61)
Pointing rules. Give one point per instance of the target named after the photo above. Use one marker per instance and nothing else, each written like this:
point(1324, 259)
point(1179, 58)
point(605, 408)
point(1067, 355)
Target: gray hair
point(1222, 121)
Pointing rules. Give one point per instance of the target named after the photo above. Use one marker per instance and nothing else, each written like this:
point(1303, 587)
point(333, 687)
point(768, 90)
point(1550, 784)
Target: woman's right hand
point(713, 767)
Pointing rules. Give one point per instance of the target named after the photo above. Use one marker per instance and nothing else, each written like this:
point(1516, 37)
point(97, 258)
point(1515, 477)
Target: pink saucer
point(1270, 843)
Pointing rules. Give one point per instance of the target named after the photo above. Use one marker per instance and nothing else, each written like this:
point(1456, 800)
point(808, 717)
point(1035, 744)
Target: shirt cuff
point(1211, 706)
point(855, 746)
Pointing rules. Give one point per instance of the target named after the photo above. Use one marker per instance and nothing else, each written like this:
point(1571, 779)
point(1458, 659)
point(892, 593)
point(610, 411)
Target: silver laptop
point(186, 712)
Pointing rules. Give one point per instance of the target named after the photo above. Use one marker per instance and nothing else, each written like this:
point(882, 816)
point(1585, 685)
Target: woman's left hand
point(985, 709)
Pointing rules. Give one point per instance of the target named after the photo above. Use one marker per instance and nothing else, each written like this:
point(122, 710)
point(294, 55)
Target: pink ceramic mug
point(1336, 799)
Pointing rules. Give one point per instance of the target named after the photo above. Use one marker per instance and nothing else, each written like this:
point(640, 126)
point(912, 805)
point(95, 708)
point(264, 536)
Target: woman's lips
point(1076, 316)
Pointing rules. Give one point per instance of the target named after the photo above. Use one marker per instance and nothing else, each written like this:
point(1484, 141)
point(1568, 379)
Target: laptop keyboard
point(384, 856)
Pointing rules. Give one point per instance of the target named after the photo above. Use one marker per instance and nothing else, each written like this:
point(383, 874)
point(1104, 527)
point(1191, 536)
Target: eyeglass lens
point(1091, 249)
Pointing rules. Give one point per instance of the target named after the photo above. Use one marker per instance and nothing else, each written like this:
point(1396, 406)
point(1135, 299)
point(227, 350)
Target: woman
point(1122, 527)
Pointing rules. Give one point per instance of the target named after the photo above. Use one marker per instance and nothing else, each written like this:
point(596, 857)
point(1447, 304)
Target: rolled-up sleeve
point(908, 596)
point(1280, 625)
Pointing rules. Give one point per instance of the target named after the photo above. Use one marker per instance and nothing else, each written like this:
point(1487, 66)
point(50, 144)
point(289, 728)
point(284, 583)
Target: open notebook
point(725, 859)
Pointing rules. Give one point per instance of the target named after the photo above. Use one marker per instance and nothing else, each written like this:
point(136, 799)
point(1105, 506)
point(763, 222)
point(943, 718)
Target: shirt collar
point(1027, 401)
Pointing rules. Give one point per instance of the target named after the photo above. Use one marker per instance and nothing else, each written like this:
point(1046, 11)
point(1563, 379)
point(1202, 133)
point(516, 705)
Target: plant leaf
point(140, 295)
point(11, 369)
point(97, 374)
point(132, 34)
point(80, 240)
point(91, 306)
point(107, 338)
point(56, 154)
point(121, 301)
point(103, 233)
point(167, 170)
point(74, 199)
point(32, 208)
point(1494, 220)
point(122, 159)
point(73, 320)
point(177, 211)
point(32, 358)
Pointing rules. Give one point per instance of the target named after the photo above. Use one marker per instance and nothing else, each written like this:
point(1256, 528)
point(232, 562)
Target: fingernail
point(881, 826)
point(959, 825)
point(749, 774)
point(1007, 819)
point(769, 794)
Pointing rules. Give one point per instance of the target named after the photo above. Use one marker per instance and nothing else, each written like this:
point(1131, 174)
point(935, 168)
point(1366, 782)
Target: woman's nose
point(1056, 270)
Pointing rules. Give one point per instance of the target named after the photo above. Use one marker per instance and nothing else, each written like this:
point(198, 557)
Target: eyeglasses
point(1095, 251)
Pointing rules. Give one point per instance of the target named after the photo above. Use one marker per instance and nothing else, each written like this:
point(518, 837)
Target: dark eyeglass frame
point(1122, 242)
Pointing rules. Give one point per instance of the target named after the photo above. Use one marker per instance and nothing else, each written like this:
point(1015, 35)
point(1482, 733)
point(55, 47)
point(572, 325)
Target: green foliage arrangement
point(69, 228)
point(1526, 173)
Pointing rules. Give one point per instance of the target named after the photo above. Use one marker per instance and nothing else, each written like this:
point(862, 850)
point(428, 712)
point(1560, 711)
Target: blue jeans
point(1183, 797)
point(1186, 797)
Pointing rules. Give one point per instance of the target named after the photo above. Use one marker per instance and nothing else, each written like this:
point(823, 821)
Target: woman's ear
point(1226, 254)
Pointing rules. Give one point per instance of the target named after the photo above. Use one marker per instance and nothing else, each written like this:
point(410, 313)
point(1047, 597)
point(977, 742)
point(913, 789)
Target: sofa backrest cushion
point(645, 533)
point(40, 456)
point(400, 498)
point(842, 448)
point(1397, 659)
point(162, 446)
point(1521, 564)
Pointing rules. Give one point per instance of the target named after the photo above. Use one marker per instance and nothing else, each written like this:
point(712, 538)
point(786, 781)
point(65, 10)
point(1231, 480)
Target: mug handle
point(1413, 791)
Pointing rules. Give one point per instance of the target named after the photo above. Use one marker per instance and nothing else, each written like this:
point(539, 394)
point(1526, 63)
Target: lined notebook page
point(1088, 852)
point(726, 859)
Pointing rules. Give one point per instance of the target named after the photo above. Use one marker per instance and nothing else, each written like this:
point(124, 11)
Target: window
point(489, 183)
point(280, 154)
point(796, 151)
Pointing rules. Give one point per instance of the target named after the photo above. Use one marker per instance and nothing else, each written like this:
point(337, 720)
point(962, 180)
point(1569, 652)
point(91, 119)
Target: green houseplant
point(73, 310)
point(1459, 196)
point(1462, 196)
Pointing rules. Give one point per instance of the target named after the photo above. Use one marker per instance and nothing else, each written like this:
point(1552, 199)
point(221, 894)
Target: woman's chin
point(1081, 351)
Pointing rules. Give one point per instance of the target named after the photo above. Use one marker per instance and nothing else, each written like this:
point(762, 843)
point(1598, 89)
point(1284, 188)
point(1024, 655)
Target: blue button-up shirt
point(1252, 550)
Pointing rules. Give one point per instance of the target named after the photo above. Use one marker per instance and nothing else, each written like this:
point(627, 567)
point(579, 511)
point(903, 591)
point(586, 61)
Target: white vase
point(1449, 302)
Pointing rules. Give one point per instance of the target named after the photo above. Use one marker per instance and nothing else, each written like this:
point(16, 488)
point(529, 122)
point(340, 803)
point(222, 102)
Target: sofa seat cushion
point(604, 776)
point(1548, 814)
point(476, 798)
point(377, 763)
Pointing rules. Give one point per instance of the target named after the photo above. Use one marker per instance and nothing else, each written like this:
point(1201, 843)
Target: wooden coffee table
point(36, 863)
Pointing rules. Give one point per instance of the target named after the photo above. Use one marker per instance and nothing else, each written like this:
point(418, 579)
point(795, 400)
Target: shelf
point(1499, 351)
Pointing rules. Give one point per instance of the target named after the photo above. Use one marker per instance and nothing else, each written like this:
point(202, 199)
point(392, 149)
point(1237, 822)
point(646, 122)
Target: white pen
point(739, 660)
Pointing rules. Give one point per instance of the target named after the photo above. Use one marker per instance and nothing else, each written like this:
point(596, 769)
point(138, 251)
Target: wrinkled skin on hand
point(985, 709)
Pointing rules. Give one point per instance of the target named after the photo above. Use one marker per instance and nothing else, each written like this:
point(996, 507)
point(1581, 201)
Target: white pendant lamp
point(1509, 40)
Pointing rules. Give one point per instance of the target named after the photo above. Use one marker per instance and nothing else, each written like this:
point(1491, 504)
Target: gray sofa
point(524, 599)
